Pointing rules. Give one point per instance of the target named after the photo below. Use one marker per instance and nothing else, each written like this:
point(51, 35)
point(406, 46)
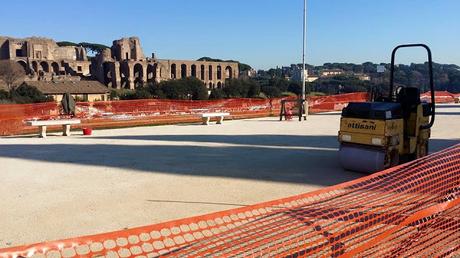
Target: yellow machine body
point(393, 130)
point(397, 139)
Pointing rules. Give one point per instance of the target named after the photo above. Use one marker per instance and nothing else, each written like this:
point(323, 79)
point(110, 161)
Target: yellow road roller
point(390, 131)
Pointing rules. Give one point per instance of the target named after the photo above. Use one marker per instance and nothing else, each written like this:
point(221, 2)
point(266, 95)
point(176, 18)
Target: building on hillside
point(81, 90)
point(287, 71)
point(312, 78)
point(330, 72)
point(42, 58)
point(297, 75)
point(363, 77)
point(124, 65)
point(251, 73)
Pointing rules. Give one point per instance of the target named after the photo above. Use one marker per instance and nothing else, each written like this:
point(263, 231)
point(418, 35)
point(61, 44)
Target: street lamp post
point(303, 49)
point(303, 101)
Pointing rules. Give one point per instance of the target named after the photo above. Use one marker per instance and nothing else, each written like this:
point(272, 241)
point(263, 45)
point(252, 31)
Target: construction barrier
point(441, 97)
point(127, 113)
point(110, 114)
point(409, 210)
point(335, 102)
point(131, 112)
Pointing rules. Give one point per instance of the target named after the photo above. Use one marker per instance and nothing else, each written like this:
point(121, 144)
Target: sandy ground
point(63, 187)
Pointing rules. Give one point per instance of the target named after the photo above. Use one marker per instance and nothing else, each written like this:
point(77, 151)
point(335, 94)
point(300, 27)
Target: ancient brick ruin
point(124, 65)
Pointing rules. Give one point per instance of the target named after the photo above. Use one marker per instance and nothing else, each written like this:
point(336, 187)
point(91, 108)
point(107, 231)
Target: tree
point(143, 93)
point(295, 88)
point(446, 77)
point(67, 44)
point(280, 83)
point(173, 89)
point(155, 91)
point(254, 89)
point(275, 73)
point(239, 88)
point(93, 47)
point(244, 67)
point(217, 94)
point(234, 89)
point(341, 84)
point(188, 88)
point(4, 95)
point(271, 92)
point(11, 72)
point(196, 88)
point(90, 47)
point(28, 94)
point(209, 59)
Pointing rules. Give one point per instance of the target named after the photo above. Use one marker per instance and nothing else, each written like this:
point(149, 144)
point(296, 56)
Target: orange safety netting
point(409, 210)
point(153, 111)
point(335, 102)
point(440, 97)
point(131, 112)
point(147, 112)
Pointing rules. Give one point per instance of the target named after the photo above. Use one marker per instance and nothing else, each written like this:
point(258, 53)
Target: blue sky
point(262, 33)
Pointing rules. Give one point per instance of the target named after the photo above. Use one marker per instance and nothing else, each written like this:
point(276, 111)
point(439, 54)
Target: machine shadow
point(304, 165)
point(447, 106)
point(278, 158)
point(256, 140)
point(441, 144)
point(448, 113)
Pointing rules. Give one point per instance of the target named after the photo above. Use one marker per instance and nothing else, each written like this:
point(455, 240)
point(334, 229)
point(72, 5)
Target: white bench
point(207, 117)
point(44, 123)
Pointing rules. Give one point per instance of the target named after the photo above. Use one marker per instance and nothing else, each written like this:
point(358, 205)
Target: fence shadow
point(306, 160)
point(294, 159)
point(256, 140)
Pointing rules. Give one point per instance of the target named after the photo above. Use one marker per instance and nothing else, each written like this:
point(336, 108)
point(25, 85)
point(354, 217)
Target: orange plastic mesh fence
point(410, 210)
point(132, 112)
point(440, 97)
point(335, 102)
point(149, 111)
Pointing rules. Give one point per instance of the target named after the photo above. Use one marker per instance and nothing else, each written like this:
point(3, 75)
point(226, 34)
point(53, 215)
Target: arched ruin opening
point(55, 68)
point(219, 72)
point(107, 70)
point(138, 75)
point(151, 72)
point(124, 73)
point(45, 67)
point(35, 66)
point(183, 71)
point(173, 71)
point(194, 71)
point(202, 72)
point(228, 72)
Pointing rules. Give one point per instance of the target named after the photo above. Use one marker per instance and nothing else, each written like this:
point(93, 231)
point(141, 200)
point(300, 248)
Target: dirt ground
point(63, 187)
